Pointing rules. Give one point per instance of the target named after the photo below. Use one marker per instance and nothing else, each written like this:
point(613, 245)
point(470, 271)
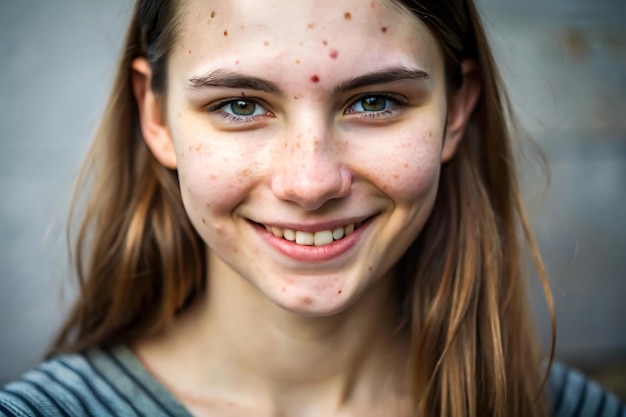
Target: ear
point(461, 104)
point(151, 119)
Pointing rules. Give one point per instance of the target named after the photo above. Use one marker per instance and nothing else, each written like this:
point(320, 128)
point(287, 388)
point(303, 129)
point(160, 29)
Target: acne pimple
point(225, 32)
point(333, 54)
point(384, 29)
point(347, 16)
point(315, 79)
point(212, 14)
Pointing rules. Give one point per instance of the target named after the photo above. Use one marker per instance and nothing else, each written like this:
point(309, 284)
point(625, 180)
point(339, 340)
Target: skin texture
point(277, 334)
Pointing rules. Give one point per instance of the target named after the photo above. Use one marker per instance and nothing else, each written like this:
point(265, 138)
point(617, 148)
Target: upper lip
point(317, 226)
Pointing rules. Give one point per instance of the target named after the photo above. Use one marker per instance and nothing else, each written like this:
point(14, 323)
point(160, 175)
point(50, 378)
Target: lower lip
point(305, 253)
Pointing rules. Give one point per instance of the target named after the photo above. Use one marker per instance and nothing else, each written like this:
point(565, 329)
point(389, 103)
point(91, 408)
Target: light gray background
point(565, 63)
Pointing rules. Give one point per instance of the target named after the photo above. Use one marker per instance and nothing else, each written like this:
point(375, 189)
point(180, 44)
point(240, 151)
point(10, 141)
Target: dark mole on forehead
point(383, 29)
point(315, 79)
point(347, 15)
point(225, 32)
point(213, 13)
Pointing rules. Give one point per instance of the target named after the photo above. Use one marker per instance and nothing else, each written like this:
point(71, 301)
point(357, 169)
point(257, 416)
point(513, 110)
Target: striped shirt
point(114, 383)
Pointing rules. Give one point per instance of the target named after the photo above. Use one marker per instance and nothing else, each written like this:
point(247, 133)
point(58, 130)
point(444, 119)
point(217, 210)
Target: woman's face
point(322, 122)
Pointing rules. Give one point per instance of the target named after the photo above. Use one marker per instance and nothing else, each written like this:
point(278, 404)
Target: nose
point(309, 169)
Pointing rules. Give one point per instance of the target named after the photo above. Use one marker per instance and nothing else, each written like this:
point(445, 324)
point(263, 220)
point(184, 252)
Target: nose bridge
point(310, 170)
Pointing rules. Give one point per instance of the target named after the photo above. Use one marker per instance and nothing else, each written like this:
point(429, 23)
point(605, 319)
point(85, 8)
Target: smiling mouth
point(319, 238)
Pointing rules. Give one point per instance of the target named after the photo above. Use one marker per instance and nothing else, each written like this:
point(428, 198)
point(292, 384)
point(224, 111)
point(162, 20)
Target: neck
point(237, 340)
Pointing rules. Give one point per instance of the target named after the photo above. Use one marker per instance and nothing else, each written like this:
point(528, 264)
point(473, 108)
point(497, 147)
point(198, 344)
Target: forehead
point(323, 37)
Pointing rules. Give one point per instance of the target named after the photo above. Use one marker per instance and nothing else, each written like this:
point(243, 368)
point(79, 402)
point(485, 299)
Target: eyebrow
point(230, 79)
point(384, 76)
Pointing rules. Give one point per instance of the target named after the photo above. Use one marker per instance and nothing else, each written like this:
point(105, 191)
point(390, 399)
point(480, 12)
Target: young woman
point(302, 209)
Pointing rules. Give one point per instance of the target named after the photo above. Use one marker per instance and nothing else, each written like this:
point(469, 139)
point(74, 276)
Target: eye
point(371, 103)
point(241, 107)
point(376, 106)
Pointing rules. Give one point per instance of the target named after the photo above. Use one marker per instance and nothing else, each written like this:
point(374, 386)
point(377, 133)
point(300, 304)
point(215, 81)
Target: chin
point(316, 305)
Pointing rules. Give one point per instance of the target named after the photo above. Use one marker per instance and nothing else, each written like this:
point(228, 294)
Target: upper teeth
point(321, 238)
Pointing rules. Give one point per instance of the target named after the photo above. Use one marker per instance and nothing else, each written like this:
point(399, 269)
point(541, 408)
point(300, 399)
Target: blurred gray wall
point(565, 64)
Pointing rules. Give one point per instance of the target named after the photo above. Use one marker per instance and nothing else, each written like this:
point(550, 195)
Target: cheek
point(409, 169)
point(215, 176)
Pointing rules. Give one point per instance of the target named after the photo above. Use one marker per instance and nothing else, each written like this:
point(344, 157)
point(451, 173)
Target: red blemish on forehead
point(225, 32)
point(347, 16)
point(212, 14)
point(384, 29)
point(333, 54)
point(315, 79)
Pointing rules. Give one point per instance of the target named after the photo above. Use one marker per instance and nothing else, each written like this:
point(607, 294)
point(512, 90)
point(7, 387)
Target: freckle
point(310, 26)
point(298, 145)
point(295, 97)
point(316, 141)
point(339, 292)
point(237, 62)
point(283, 289)
point(325, 42)
point(189, 52)
point(347, 16)
point(396, 176)
point(315, 79)
point(212, 14)
point(180, 115)
point(297, 61)
point(406, 165)
point(307, 300)
point(225, 32)
point(203, 220)
point(369, 269)
point(333, 54)
point(243, 94)
point(197, 148)
point(266, 43)
point(384, 29)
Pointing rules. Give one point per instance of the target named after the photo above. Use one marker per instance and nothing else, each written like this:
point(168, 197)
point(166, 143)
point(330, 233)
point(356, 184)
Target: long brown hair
point(139, 261)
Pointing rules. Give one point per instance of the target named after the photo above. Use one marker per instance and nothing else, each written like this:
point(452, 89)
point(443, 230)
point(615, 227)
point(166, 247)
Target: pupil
point(373, 103)
point(243, 107)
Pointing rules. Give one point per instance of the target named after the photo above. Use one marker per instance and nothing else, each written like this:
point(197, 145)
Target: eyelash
point(395, 105)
